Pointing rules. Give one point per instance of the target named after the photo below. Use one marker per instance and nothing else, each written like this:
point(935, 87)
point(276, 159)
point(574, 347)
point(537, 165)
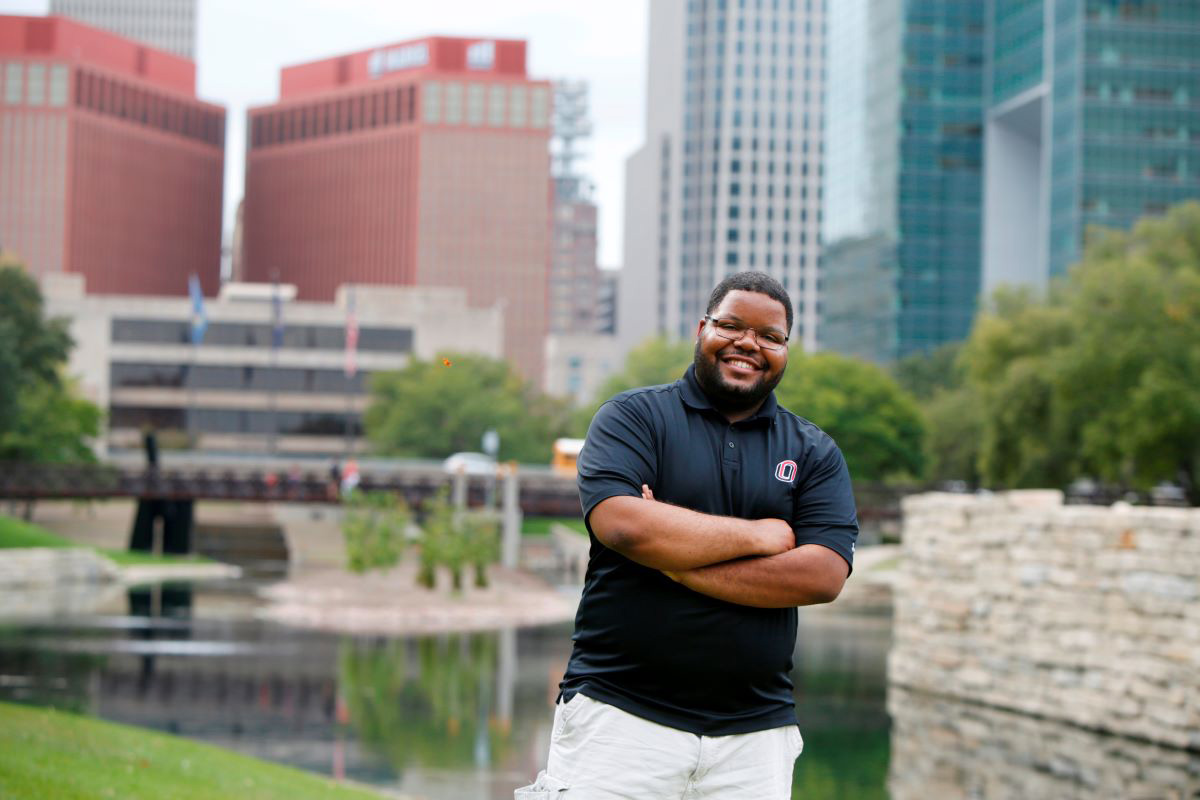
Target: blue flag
point(199, 318)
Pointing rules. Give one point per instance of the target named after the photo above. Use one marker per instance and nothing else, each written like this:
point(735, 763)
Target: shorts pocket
point(796, 740)
point(570, 707)
point(546, 787)
point(563, 711)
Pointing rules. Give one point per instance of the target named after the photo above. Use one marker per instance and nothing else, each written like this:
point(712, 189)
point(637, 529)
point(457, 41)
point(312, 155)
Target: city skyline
point(241, 50)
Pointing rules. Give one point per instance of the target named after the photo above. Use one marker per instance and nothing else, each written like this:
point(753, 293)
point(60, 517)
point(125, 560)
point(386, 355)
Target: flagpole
point(191, 399)
point(351, 365)
point(272, 423)
point(199, 326)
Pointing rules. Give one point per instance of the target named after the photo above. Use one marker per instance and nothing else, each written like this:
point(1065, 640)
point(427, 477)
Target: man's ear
point(700, 328)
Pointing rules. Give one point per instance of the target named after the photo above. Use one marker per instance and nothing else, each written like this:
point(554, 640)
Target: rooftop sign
point(393, 59)
point(481, 55)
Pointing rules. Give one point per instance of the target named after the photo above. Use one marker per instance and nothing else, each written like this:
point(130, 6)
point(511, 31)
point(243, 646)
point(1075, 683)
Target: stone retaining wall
point(42, 566)
point(44, 581)
point(950, 750)
point(1083, 614)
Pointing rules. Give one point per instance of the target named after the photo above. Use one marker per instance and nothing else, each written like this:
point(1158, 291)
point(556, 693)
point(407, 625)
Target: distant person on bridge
point(713, 513)
point(350, 476)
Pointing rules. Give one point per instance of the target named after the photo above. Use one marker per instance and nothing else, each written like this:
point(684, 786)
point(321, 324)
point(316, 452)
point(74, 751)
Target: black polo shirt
point(647, 644)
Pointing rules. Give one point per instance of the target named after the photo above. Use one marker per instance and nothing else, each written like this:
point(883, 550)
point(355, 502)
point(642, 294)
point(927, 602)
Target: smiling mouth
point(740, 363)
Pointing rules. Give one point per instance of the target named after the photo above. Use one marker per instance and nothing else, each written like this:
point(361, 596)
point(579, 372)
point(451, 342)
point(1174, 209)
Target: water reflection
point(945, 749)
point(841, 684)
point(450, 717)
point(467, 716)
point(431, 702)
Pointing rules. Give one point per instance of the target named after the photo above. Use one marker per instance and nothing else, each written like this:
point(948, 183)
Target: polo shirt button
point(731, 444)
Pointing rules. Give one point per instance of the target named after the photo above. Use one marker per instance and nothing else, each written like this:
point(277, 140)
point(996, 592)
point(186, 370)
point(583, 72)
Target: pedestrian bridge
point(539, 493)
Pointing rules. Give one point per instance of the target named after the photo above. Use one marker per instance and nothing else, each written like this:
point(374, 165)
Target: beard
point(727, 397)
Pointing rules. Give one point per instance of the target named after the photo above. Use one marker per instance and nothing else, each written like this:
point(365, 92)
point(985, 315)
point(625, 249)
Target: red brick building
point(109, 165)
point(423, 163)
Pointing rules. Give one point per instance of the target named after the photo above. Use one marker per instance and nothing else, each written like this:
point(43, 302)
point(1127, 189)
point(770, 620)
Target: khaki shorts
point(598, 752)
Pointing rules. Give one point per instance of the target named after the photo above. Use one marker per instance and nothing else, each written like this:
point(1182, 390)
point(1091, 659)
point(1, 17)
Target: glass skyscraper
point(1094, 119)
point(971, 144)
point(904, 132)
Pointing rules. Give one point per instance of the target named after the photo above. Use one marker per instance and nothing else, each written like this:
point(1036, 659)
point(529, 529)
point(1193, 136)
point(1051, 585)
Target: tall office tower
point(1093, 119)
point(729, 176)
point(109, 165)
point(574, 277)
point(166, 24)
point(901, 257)
point(424, 163)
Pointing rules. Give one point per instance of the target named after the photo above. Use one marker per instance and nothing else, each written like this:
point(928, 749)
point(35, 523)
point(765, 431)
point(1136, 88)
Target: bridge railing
point(539, 494)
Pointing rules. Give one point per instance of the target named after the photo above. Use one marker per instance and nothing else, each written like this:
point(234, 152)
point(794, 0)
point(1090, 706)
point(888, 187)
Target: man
point(713, 514)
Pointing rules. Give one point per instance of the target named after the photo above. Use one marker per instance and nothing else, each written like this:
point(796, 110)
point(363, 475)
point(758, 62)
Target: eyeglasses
point(733, 331)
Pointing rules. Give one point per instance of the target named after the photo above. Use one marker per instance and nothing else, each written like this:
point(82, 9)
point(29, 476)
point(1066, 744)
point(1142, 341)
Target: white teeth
point(741, 362)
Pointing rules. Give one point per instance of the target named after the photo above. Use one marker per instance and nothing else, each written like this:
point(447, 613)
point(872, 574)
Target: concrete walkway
point(392, 602)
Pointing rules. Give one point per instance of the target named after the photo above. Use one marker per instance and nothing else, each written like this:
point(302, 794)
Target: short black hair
point(748, 281)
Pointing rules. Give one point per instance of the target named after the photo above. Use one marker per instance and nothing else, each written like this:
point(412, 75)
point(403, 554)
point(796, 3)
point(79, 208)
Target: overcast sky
point(243, 43)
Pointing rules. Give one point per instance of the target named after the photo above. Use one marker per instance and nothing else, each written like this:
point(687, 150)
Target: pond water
point(449, 717)
point(467, 716)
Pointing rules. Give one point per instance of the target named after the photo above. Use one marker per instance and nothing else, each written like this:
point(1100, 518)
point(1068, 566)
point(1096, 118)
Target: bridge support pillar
point(177, 518)
point(510, 516)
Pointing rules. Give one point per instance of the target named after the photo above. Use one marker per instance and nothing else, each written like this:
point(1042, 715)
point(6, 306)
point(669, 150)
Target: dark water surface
point(467, 716)
point(449, 717)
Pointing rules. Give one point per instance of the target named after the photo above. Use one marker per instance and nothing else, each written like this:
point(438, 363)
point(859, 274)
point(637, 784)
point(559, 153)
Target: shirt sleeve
point(823, 510)
point(618, 455)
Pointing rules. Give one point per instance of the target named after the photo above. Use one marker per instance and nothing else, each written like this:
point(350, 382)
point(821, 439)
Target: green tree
point(431, 409)
point(40, 346)
point(653, 362)
point(923, 374)
point(1026, 438)
point(53, 423)
point(876, 423)
point(42, 416)
point(1099, 378)
point(375, 525)
point(954, 428)
point(953, 425)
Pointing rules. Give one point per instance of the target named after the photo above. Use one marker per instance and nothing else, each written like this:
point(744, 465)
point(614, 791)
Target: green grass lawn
point(16, 533)
point(46, 753)
point(540, 526)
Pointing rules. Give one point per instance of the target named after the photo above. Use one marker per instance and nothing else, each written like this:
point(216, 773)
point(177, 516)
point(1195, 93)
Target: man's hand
point(777, 536)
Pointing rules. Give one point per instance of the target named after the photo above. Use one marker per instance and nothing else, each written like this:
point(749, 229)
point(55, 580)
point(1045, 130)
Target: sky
point(242, 44)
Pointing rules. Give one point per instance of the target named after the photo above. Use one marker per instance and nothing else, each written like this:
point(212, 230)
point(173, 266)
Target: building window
point(474, 104)
point(538, 107)
point(496, 106)
point(516, 107)
point(431, 102)
point(58, 85)
point(454, 103)
point(14, 80)
point(35, 90)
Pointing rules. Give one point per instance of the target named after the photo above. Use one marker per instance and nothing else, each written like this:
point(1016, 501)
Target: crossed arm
point(748, 562)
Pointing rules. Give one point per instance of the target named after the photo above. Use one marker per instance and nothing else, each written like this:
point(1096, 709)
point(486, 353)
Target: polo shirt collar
point(694, 397)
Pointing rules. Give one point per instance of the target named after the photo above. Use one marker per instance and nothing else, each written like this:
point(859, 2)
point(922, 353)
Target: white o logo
point(786, 471)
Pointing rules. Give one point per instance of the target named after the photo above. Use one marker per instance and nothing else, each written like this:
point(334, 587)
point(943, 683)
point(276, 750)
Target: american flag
point(351, 336)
